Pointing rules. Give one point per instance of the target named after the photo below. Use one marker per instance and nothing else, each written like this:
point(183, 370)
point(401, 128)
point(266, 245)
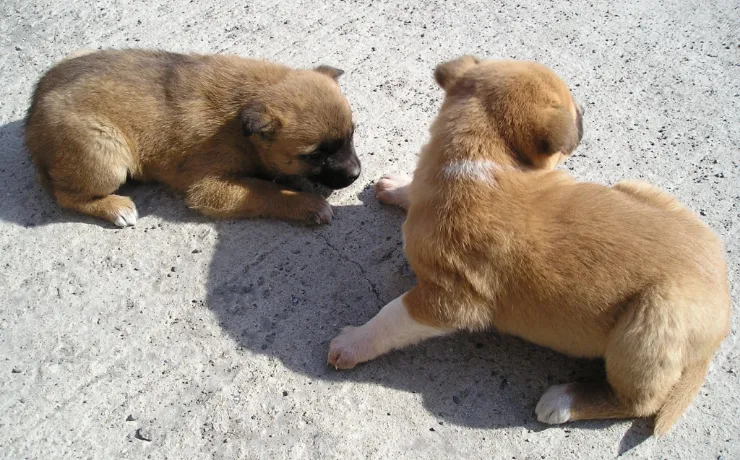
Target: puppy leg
point(393, 190)
point(580, 401)
point(84, 172)
point(644, 361)
point(588, 401)
point(119, 210)
point(393, 327)
point(249, 197)
point(649, 194)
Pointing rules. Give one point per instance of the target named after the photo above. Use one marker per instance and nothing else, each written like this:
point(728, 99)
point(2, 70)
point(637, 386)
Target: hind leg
point(644, 360)
point(85, 171)
point(649, 194)
point(119, 210)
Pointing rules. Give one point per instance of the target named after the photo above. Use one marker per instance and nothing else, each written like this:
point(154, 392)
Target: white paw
point(391, 182)
point(554, 406)
point(126, 216)
point(349, 348)
point(393, 190)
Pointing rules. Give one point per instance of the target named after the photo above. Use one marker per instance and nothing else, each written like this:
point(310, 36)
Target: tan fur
point(497, 238)
point(217, 129)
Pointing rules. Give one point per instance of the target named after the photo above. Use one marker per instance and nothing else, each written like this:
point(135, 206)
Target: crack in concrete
point(373, 288)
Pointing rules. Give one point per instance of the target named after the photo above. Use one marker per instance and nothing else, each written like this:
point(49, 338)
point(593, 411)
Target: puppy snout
point(346, 176)
point(350, 168)
point(354, 172)
point(339, 176)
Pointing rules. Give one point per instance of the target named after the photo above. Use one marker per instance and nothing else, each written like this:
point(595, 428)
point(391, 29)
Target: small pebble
point(16, 370)
point(456, 400)
point(143, 434)
point(130, 418)
point(285, 393)
point(196, 251)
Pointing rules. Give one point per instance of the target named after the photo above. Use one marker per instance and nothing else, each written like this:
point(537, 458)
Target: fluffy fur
point(625, 273)
point(217, 129)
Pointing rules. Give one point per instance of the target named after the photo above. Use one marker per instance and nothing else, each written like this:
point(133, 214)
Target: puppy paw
point(554, 406)
point(348, 349)
point(121, 210)
point(316, 210)
point(393, 190)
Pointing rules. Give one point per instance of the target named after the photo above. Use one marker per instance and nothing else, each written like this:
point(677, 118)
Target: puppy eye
point(315, 155)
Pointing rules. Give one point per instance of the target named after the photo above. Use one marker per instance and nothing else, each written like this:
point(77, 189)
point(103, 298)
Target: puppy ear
point(255, 120)
point(330, 71)
point(448, 72)
point(557, 132)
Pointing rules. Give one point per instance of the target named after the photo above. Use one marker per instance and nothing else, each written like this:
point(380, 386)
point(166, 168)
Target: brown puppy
point(497, 238)
point(217, 129)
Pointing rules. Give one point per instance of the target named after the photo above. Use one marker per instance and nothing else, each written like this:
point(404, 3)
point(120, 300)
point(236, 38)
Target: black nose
point(338, 178)
point(354, 173)
point(344, 178)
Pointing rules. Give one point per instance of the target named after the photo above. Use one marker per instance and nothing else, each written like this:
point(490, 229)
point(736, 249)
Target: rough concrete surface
point(188, 338)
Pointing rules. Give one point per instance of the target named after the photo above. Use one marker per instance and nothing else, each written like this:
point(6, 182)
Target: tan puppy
point(217, 129)
point(497, 238)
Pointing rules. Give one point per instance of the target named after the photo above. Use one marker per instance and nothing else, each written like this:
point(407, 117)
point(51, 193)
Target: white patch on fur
point(475, 170)
point(391, 328)
point(554, 406)
point(126, 216)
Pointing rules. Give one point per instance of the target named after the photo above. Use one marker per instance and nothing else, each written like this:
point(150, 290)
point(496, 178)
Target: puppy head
point(302, 126)
point(524, 103)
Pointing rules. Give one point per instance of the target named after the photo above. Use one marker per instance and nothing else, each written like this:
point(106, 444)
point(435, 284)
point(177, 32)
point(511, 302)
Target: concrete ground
point(187, 338)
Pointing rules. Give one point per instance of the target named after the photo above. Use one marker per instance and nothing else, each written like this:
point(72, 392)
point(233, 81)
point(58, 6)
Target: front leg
point(393, 190)
point(227, 198)
point(392, 328)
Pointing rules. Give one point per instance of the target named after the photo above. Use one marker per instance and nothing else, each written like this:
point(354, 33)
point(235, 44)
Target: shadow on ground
point(285, 290)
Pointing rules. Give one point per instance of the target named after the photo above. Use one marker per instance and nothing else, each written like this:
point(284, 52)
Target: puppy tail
point(681, 395)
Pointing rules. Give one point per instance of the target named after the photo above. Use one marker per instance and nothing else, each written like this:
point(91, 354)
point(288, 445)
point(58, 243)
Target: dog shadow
point(286, 290)
point(23, 201)
point(288, 293)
